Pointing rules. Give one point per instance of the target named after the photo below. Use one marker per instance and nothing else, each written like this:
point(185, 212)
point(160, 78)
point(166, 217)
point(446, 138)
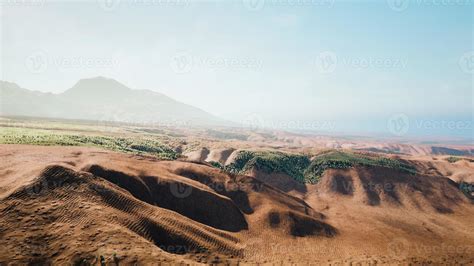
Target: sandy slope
point(74, 204)
point(460, 171)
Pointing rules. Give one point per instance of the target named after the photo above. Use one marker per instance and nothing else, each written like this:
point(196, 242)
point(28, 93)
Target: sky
point(395, 67)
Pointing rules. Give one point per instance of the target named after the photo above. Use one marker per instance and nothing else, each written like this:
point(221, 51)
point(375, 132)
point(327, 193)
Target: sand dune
point(219, 155)
point(83, 205)
point(460, 171)
point(389, 188)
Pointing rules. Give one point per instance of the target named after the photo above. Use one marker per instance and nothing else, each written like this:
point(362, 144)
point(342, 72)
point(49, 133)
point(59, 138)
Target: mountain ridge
point(103, 99)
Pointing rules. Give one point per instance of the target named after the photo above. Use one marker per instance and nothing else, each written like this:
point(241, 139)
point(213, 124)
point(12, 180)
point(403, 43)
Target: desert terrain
point(243, 132)
point(102, 195)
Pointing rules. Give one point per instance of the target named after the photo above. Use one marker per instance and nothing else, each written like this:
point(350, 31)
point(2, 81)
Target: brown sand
point(66, 205)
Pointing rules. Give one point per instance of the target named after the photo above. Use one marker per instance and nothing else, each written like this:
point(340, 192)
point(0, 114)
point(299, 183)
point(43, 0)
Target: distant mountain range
point(102, 99)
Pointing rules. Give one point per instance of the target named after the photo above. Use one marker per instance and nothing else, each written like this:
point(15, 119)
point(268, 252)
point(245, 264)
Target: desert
point(82, 204)
point(236, 132)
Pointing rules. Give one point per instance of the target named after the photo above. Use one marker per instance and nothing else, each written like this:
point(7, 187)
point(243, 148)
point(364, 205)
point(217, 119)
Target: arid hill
point(82, 205)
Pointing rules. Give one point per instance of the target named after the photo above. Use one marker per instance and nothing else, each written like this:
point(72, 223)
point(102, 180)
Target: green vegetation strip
point(342, 160)
point(302, 169)
point(135, 145)
point(453, 159)
point(270, 162)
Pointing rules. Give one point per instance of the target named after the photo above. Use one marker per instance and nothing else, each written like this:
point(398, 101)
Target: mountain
point(102, 99)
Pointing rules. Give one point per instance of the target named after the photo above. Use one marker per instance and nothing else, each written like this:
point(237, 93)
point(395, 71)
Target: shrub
point(148, 146)
point(343, 160)
point(216, 165)
point(302, 169)
point(453, 159)
point(467, 189)
point(270, 162)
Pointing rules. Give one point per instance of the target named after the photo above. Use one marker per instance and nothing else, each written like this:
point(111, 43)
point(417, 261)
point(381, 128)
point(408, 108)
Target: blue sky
point(352, 65)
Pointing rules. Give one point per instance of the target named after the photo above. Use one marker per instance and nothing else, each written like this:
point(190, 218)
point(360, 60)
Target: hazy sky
point(344, 65)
